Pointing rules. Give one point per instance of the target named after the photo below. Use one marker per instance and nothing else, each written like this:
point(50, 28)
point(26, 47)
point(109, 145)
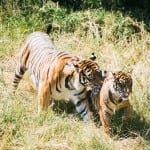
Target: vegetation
point(117, 33)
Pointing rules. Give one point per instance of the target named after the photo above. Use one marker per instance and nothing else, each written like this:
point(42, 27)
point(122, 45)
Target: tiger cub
point(114, 95)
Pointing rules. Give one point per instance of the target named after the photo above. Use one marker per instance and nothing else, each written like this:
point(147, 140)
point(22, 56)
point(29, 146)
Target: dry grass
point(22, 129)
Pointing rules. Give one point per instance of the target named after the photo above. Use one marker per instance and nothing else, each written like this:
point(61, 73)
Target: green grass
point(120, 43)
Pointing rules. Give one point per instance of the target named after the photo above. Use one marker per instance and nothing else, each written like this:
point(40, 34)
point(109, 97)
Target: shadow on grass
point(135, 127)
point(63, 106)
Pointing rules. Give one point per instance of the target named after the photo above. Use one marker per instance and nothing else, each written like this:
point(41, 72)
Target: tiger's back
point(38, 54)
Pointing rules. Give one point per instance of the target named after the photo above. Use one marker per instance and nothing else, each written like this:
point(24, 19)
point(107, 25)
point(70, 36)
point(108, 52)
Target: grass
point(120, 43)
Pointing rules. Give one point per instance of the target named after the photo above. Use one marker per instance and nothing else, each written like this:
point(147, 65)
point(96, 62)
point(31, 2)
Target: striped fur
point(114, 95)
point(57, 74)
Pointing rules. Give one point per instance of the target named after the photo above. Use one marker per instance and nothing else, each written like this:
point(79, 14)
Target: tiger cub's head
point(89, 73)
point(121, 87)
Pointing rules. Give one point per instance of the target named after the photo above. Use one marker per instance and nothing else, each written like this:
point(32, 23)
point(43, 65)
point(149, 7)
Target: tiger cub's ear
point(92, 57)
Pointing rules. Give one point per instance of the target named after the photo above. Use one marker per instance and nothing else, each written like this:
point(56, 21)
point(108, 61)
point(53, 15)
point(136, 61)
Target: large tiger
point(113, 95)
point(57, 75)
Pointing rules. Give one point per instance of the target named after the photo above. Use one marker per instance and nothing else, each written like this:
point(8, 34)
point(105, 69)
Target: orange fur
point(57, 74)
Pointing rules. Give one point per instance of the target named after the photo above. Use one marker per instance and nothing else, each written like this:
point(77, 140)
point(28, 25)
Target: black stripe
point(107, 113)
point(21, 71)
point(26, 58)
point(17, 76)
point(81, 74)
point(80, 78)
point(57, 87)
point(80, 101)
point(67, 57)
point(110, 97)
point(48, 72)
point(61, 54)
point(89, 66)
point(67, 81)
point(108, 107)
point(59, 79)
point(38, 72)
point(77, 94)
point(15, 81)
point(35, 58)
point(50, 89)
point(83, 111)
point(54, 56)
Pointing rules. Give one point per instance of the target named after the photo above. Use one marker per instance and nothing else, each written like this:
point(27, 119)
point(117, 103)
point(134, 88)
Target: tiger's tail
point(18, 76)
point(21, 66)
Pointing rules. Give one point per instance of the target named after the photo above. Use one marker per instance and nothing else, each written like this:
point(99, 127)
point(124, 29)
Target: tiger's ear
point(76, 65)
point(113, 73)
point(92, 57)
point(130, 72)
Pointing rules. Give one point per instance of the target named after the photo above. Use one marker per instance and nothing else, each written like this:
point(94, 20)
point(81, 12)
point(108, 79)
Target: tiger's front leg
point(43, 96)
point(106, 121)
point(82, 107)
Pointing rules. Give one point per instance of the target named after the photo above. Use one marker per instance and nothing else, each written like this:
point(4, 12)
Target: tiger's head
point(101, 76)
point(121, 87)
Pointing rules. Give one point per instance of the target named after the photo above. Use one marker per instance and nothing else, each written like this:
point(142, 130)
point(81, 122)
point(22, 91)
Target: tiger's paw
point(108, 131)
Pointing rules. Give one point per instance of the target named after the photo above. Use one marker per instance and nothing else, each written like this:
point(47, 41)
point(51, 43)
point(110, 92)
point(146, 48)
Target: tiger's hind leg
point(43, 96)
